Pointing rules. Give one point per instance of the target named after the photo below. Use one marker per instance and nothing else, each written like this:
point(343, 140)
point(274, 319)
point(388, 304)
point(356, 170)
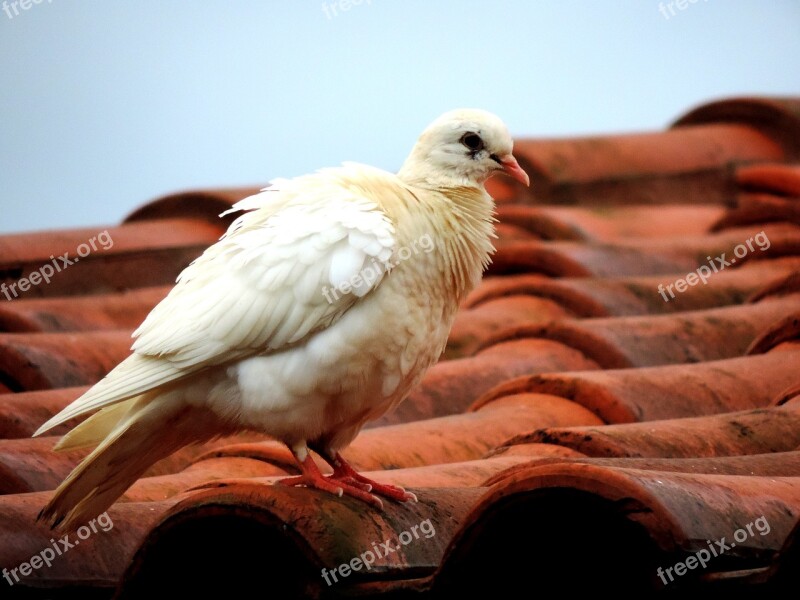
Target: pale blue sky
point(105, 105)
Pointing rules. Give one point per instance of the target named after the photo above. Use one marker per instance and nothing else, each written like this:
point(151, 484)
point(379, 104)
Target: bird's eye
point(472, 141)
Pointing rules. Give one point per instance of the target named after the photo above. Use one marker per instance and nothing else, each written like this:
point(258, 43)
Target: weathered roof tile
point(640, 423)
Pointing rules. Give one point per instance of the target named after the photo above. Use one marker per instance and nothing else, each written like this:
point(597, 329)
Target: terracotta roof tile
point(619, 296)
point(206, 205)
point(120, 310)
point(780, 287)
point(92, 569)
point(642, 341)
point(22, 413)
point(38, 361)
point(665, 516)
point(757, 209)
point(609, 223)
point(570, 388)
point(687, 164)
point(757, 431)
point(777, 179)
point(31, 465)
point(451, 386)
point(472, 327)
point(135, 255)
point(778, 118)
point(775, 464)
point(785, 329)
point(673, 391)
point(642, 256)
point(447, 439)
point(298, 533)
point(471, 473)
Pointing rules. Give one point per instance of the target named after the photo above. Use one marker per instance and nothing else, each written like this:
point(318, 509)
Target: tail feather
point(96, 428)
point(151, 430)
point(134, 376)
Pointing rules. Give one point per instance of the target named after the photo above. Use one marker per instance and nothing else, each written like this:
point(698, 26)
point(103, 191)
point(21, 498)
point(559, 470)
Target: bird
point(320, 308)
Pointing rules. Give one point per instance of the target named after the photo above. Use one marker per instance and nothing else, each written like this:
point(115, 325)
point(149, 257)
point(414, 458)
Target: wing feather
point(261, 287)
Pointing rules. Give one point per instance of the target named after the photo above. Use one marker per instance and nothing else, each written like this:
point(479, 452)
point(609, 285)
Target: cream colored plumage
point(277, 328)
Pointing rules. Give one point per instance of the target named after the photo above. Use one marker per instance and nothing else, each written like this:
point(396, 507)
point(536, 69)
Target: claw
point(313, 478)
point(345, 481)
point(344, 472)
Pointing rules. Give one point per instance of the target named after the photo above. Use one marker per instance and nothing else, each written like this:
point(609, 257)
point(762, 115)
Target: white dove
point(316, 312)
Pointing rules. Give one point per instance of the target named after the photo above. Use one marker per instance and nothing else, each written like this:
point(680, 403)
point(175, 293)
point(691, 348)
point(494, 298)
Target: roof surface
point(618, 406)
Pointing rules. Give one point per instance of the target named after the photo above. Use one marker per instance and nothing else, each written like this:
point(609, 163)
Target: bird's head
point(462, 147)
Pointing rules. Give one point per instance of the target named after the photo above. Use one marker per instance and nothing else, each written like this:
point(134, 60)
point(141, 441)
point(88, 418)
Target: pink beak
point(512, 168)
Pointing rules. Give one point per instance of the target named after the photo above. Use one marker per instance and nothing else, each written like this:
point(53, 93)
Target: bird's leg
point(312, 477)
point(345, 473)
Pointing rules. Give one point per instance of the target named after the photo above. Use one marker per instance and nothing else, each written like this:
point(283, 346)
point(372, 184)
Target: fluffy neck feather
point(446, 172)
point(463, 227)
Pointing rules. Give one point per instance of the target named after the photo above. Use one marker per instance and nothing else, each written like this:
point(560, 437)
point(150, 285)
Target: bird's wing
point(278, 275)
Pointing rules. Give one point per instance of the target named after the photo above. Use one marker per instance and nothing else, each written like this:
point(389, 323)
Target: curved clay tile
point(123, 310)
point(203, 471)
point(778, 118)
point(472, 473)
point(739, 245)
point(31, 464)
point(757, 431)
point(780, 330)
point(136, 255)
point(540, 223)
point(450, 439)
point(536, 451)
point(471, 327)
point(777, 179)
point(601, 223)
point(783, 575)
point(297, 532)
point(642, 256)
point(566, 292)
point(86, 569)
point(789, 395)
point(754, 209)
point(667, 392)
point(679, 166)
point(234, 463)
point(624, 342)
point(451, 386)
point(597, 515)
point(267, 451)
point(204, 205)
point(23, 413)
point(509, 234)
point(504, 190)
point(781, 287)
point(620, 296)
point(572, 259)
point(775, 464)
point(37, 361)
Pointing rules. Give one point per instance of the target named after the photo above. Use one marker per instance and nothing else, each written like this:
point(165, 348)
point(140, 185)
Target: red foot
point(344, 472)
point(313, 478)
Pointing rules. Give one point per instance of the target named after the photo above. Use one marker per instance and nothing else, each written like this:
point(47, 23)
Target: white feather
point(256, 290)
point(291, 324)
